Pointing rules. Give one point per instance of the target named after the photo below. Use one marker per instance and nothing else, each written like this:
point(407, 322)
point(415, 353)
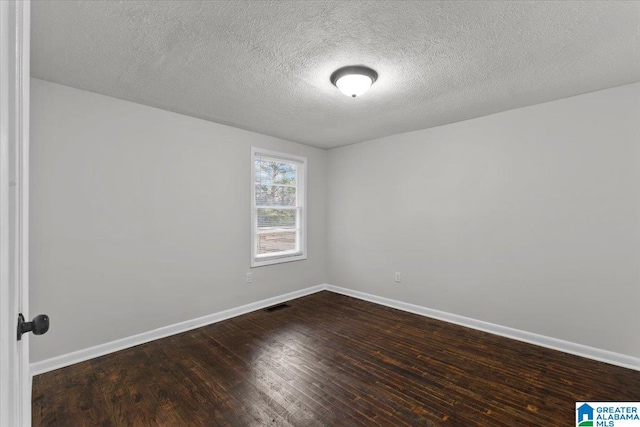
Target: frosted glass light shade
point(354, 84)
point(353, 80)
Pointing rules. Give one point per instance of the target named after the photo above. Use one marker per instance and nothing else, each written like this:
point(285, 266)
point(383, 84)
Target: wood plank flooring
point(329, 360)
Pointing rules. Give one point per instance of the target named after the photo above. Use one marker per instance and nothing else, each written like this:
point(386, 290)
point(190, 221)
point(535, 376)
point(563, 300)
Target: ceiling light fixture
point(354, 80)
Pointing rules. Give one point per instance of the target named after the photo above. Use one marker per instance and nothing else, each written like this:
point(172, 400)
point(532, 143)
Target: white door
point(15, 381)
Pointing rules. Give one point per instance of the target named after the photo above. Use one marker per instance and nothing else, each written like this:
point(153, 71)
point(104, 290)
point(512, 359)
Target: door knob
point(39, 325)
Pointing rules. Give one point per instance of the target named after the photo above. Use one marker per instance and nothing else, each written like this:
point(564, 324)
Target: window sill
point(259, 262)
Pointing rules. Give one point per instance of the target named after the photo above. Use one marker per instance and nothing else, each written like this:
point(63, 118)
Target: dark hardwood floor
point(329, 360)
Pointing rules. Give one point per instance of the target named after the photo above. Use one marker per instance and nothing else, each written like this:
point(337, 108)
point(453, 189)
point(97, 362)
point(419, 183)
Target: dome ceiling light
point(354, 80)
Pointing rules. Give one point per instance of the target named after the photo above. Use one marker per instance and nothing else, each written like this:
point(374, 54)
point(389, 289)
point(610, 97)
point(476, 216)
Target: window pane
point(276, 242)
point(273, 172)
point(276, 230)
point(276, 218)
point(273, 195)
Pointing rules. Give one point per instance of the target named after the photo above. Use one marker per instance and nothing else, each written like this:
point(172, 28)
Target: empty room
point(320, 213)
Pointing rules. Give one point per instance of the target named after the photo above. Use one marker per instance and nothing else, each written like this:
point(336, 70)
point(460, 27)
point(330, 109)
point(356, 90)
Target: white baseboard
point(529, 337)
point(121, 344)
point(516, 334)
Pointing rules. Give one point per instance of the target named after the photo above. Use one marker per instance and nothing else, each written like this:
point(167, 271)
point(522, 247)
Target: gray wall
point(528, 218)
point(140, 218)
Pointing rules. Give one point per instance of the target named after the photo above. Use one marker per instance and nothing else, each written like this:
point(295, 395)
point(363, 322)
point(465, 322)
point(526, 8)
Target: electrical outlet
point(249, 278)
point(397, 277)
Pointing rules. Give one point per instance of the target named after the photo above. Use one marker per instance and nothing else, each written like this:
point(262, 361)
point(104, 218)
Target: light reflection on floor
point(280, 373)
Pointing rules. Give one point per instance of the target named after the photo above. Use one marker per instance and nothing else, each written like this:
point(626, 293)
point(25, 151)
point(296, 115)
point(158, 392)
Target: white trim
point(280, 254)
point(276, 155)
point(8, 377)
point(300, 253)
point(15, 385)
point(23, 123)
point(166, 331)
point(529, 337)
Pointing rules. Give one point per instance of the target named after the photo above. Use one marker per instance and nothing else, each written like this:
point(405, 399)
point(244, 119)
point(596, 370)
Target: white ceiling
point(265, 65)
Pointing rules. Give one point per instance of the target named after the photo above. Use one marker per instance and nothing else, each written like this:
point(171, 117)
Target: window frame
point(301, 207)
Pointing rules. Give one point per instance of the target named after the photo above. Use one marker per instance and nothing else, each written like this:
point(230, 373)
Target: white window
point(278, 211)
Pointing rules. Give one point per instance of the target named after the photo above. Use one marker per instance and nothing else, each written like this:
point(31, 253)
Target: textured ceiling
point(265, 65)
